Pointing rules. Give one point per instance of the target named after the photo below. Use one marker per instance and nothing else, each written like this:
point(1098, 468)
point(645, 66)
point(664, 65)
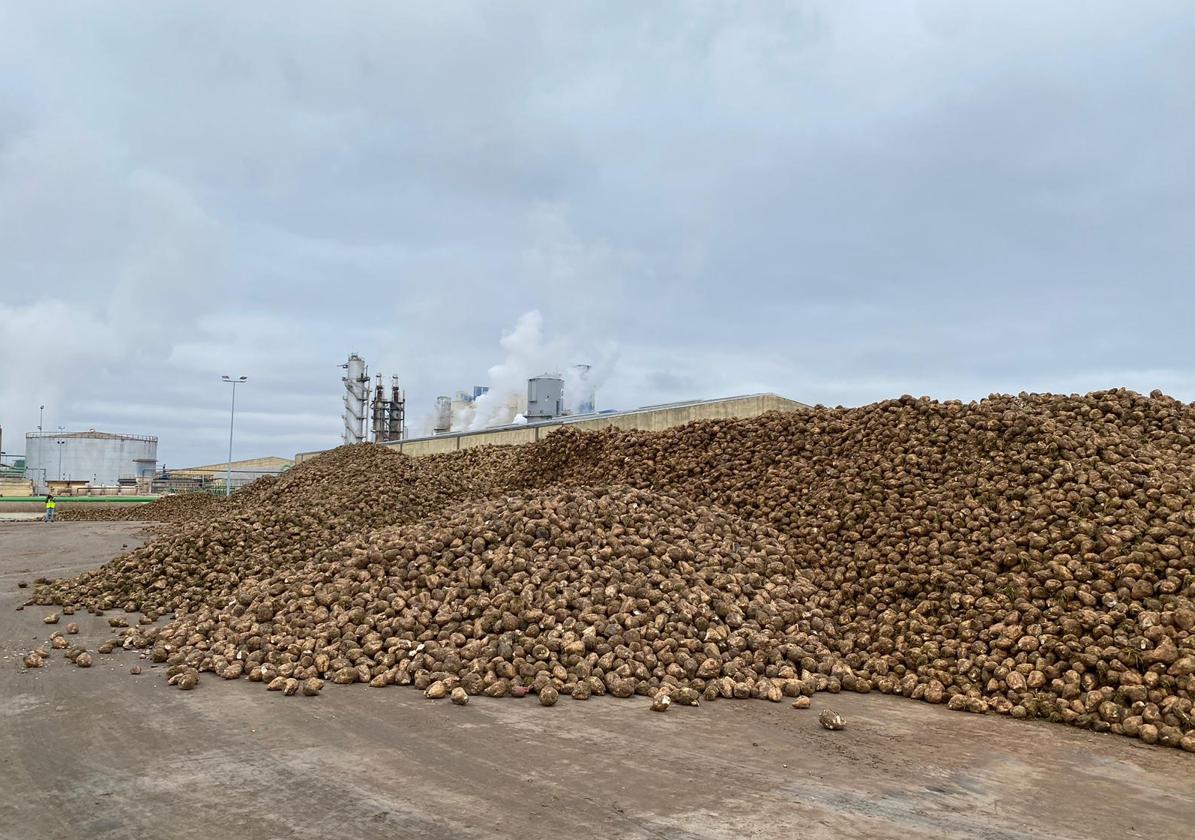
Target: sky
point(840, 202)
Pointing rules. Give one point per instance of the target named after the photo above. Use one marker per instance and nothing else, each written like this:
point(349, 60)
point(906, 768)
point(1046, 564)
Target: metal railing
point(92, 435)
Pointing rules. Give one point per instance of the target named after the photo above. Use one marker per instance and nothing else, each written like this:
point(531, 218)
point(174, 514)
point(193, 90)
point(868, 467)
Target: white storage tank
point(91, 457)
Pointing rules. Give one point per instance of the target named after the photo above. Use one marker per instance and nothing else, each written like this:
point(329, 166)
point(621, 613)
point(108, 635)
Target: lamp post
point(41, 410)
point(231, 419)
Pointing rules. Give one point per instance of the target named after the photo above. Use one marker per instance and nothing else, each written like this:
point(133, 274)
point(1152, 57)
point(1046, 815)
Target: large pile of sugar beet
point(1028, 555)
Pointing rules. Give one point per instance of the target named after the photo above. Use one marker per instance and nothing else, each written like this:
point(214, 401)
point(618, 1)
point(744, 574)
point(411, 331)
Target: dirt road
point(101, 754)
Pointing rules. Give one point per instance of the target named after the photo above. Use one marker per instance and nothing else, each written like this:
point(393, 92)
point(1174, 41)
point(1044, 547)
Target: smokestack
point(398, 411)
point(443, 415)
point(380, 410)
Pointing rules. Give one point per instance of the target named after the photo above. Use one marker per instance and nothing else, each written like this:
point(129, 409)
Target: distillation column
point(356, 385)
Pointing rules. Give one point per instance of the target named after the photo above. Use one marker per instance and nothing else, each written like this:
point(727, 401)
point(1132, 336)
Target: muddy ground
point(102, 754)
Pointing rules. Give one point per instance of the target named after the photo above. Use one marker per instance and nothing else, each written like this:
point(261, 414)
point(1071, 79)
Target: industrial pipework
point(389, 415)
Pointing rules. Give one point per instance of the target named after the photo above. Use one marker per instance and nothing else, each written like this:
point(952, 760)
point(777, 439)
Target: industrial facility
point(216, 478)
point(484, 417)
point(100, 462)
point(387, 410)
point(247, 469)
point(457, 412)
point(647, 418)
point(548, 395)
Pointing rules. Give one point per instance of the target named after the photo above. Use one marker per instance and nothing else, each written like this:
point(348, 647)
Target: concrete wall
point(650, 418)
point(655, 419)
point(508, 437)
point(428, 446)
point(93, 457)
point(16, 487)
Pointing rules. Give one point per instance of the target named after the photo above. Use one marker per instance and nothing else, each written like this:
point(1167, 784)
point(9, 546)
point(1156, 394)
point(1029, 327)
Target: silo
point(443, 417)
point(545, 397)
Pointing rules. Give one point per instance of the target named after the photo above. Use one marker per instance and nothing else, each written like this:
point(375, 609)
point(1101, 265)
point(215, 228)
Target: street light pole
point(41, 410)
point(231, 419)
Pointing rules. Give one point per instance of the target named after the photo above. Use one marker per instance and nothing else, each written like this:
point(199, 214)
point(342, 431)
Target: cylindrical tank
point(462, 411)
point(99, 458)
point(443, 417)
point(545, 397)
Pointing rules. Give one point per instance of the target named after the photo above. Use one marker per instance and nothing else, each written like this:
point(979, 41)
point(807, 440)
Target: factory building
point(91, 461)
point(649, 418)
point(250, 469)
point(213, 478)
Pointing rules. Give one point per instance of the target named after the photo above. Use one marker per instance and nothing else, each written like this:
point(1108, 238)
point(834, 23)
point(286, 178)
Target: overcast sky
point(839, 202)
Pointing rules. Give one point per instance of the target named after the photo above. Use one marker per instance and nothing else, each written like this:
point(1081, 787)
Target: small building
point(89, 461)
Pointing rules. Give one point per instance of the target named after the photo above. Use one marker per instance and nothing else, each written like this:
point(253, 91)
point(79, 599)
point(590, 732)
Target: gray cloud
point(836, 201)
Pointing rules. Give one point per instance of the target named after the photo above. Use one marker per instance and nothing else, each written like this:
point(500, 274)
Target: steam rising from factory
point(529, 384)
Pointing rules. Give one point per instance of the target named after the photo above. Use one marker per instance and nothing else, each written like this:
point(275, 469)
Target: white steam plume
point(528, 354)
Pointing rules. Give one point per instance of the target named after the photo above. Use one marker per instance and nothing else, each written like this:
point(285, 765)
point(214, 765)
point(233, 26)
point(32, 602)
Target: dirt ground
point(102, 754)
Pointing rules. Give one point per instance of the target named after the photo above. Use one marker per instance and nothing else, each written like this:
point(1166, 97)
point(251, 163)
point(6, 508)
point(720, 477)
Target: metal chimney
point(398, 411)
point(443, 415)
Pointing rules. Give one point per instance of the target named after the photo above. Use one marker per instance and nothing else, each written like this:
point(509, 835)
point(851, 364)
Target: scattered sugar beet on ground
point(1031, 556)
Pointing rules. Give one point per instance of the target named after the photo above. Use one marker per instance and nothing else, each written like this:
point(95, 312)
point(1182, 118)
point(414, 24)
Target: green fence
point(81, 500)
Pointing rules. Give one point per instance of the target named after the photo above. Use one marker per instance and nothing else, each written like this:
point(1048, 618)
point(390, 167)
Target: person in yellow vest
point(50, 505)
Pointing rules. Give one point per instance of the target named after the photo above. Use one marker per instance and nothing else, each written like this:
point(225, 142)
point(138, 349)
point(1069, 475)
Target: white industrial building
point(59, 460)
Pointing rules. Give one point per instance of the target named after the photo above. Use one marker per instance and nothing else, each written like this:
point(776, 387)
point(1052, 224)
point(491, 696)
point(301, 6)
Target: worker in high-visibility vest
point(50, 505)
